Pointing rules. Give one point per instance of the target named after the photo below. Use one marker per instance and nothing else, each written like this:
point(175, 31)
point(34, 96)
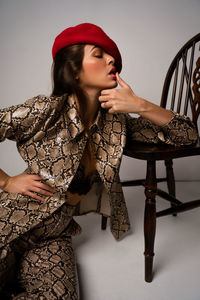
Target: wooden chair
point(182, 78)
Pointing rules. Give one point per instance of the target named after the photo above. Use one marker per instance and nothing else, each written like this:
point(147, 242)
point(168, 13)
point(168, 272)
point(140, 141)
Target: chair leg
point(170, 180)
point(103, 222)
point(150, 219)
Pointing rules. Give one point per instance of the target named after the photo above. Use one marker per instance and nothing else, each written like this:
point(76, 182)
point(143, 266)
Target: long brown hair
point(67, 64)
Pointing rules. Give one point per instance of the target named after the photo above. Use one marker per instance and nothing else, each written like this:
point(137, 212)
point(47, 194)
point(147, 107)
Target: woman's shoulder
point(41, 98)
point(44, 104)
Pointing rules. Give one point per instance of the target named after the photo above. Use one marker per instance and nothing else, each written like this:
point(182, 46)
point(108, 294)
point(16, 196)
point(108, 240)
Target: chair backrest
point(181, 90)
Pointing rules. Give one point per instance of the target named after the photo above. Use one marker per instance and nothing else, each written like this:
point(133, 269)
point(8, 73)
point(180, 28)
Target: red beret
point(87, 33)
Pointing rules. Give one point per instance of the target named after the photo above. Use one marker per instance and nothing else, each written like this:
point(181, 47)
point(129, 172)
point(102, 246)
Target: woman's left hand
point(121, 100)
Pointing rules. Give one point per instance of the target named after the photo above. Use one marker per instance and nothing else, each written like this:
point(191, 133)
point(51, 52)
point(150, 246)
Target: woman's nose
point(110, 59)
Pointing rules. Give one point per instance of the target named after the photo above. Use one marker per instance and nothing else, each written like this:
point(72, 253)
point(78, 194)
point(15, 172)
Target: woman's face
point(98, 70)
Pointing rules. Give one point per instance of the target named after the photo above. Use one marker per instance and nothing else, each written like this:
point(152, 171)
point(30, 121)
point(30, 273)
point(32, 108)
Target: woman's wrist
point(154, 113)
point(143, 106)
point(4, 178)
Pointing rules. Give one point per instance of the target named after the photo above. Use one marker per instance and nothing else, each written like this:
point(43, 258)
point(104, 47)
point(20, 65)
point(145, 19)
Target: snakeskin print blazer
point(51, 139)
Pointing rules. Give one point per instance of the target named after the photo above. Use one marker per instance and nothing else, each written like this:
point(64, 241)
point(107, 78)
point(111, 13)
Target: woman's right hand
point(29, 185)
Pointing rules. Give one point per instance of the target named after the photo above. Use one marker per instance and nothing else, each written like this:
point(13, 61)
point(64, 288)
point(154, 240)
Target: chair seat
point(160, 151)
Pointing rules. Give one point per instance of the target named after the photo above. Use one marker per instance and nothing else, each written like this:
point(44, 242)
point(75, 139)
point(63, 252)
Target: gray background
point(148, 33)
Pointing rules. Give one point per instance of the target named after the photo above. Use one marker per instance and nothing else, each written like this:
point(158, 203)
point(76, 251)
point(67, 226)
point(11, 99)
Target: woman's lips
point(113, 76)
point(112, 73)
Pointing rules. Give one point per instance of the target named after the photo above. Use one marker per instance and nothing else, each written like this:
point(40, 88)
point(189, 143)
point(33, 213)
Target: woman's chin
point(109, 85)
point(112, 85)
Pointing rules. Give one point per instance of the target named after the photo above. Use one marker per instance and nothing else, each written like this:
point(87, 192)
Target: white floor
point(111, 270)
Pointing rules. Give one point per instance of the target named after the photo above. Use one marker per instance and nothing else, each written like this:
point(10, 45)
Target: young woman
point(73, 143)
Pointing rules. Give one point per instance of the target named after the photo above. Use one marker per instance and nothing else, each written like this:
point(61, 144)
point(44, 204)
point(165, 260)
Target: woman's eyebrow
point(94, 48)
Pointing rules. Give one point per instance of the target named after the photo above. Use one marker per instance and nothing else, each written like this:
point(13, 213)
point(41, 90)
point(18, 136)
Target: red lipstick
point(112, 73)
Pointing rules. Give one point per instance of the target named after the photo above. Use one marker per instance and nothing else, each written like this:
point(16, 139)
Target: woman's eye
point(98, 55)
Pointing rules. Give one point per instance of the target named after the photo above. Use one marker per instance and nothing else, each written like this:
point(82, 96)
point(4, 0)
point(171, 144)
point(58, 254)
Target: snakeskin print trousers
point(45, 263)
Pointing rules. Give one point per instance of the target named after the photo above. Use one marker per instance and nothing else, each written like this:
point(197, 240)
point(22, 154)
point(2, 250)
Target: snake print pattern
point(178, 132)
point(51, 139)
point(44, 260)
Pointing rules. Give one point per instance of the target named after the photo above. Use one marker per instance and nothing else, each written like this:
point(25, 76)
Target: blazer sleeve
point(23, 121)
point(179, 131)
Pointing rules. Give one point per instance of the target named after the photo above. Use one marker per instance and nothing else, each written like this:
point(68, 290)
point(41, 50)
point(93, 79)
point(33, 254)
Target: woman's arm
point(155, 123)
point(177, 132)
point(21, 122)
point(25, 184)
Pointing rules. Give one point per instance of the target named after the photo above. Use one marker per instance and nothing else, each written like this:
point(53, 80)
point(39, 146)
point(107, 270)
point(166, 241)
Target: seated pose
point(72, 143)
